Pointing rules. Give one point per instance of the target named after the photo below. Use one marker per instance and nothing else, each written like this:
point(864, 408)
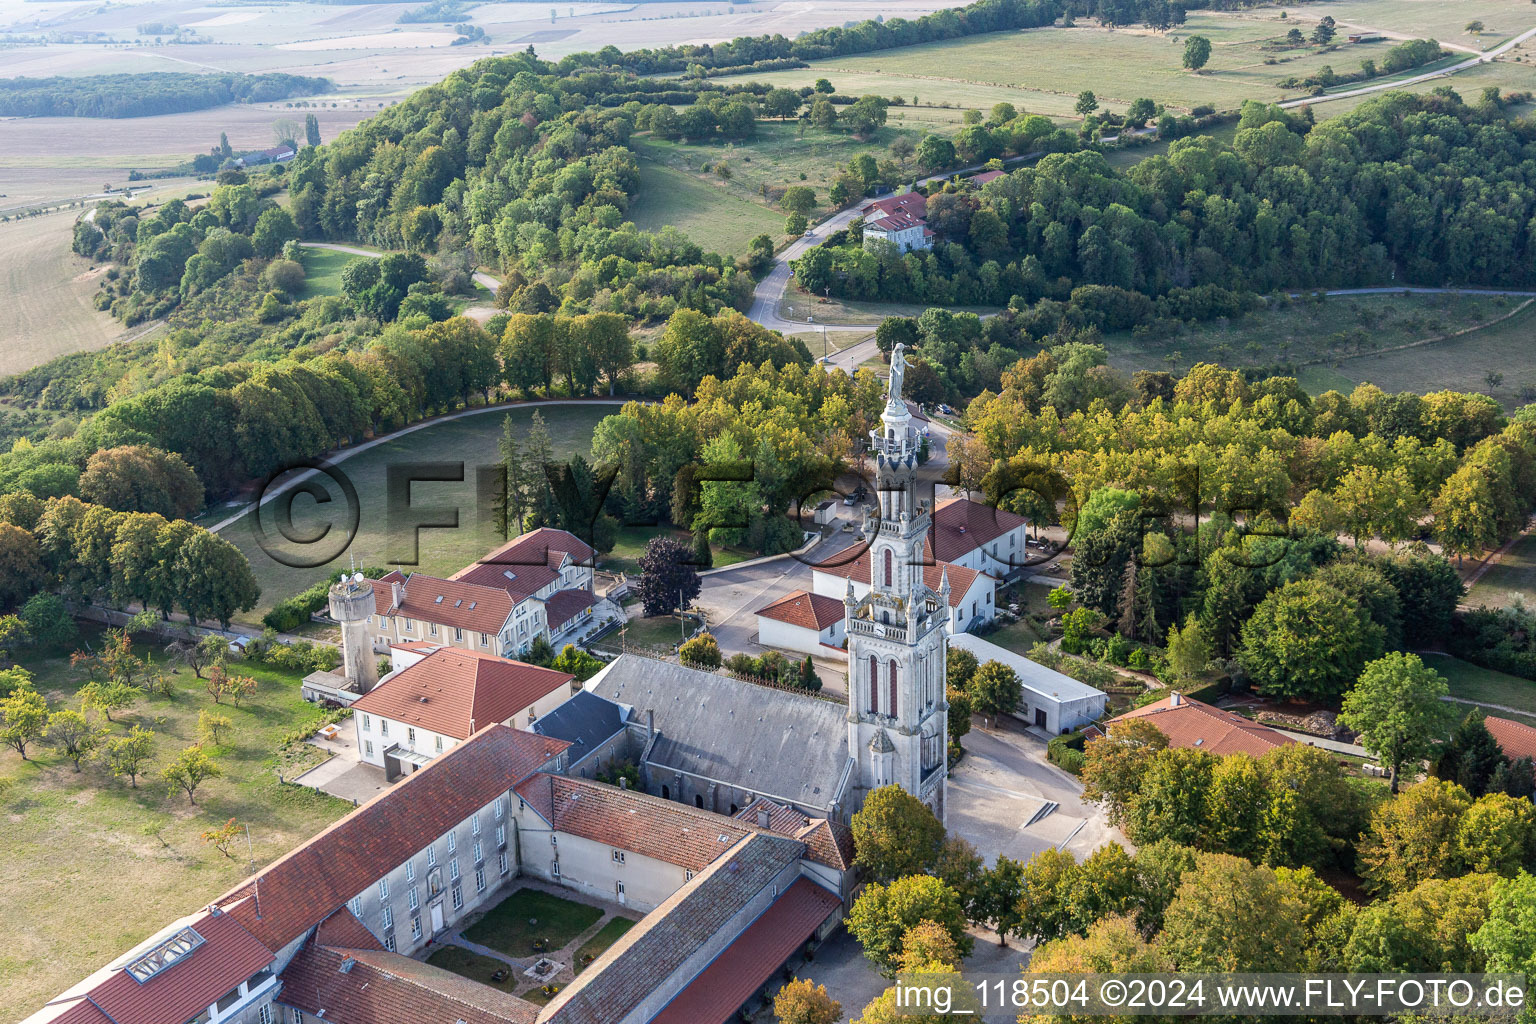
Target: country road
point(1471, 62)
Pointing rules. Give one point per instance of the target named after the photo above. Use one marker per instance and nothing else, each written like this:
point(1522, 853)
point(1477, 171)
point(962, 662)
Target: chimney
point(762, 819)
point(397, 593)
point(650, 723)
point(1175, 700)
point(623, 782)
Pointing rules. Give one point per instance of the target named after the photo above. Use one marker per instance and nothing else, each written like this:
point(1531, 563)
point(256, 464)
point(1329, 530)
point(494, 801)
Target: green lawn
point(1512, 575)
point(1484, 685)
point(1018, 637)
point(475, 967)
point(630, 545)
point(663, 631)
point(606, 936)
point(470, 440)
point(1349, 333)
point(322, 271)
point(92, 866)
point(508, 926)
point(701, 206)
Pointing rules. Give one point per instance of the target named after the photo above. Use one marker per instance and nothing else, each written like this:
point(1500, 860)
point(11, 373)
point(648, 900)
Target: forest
point(1425, 189)
point(161, 92)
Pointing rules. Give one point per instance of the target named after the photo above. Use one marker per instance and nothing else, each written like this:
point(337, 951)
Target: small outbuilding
point(1050, 700)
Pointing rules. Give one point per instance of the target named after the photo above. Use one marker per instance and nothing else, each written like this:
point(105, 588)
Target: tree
point(1396, 708)
point(999, 905)
point(667, 580)
point(823, 86)
point(1308, 639)
point(221, 837)
point(107, 697)
point(798, 199)
point(1497, 835)
point(1232, 915)
point(1114, 765)
point(1322, 35)
point(895, 834)
point(994, 690)
point(823, 113)
point(311, 129)
point(1197, 52)
point(128, 755)
point(935, 151)
point(1087, 102)
point(1472, 756)
point(701, 651)
point(211, 726)
point(14, 635)
point(804, 1002)
point(883, 914)
point(780, 103)
point(21, 566)
point(1045, 895)
point(191, 768)
point(198, 653)
point(794, 224)
point(48, 622)
point(902, 148)
point(1413, 837)
point(74, 735)
point(1188, 650)
point(928, 943)
point(1508, 938)
point(23, 718)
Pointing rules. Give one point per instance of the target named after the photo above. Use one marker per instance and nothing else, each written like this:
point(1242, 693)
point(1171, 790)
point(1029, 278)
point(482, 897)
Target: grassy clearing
point(506, 926)
point(87, 848)
point(470, 440)
point(606, 936)
point(475, 967)
point(1512, 576)
point(705, 210)
point(1484, 685)
point(1335, 329)
point(322, 271)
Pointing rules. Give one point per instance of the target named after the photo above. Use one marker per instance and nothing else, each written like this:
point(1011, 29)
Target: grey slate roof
point(654, 949)
point(585, 722)
point(771, 742)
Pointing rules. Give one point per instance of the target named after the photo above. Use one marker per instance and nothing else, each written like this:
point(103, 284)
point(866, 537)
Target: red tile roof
point(910, 203)
point(528, 564)
point(447, 602)
point(961, 579)
point(1516, 739)
point(804, 609)
point(1190, 723)
point(344, 929)
point(358, 986)
point(227, 956)
point(985, 176)
point(565, 605)
point(714, 996)
point(782, 818)
point(960, 524)
point(894, 222)
point(828, 842)
point(305, 886)
point(624, 819)
point(457, 692)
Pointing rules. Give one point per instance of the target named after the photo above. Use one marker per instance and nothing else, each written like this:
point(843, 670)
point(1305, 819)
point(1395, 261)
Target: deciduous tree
point(895, 834)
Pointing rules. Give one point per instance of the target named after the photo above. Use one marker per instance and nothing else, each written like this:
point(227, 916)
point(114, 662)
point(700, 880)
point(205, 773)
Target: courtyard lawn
point(1485, 686)
point(606, 936)
point(93, 866)
point(1018, 637)
point(508, 926)
point(470, 442)
point(659, 631)
point(1512, 576)
point(475, 967)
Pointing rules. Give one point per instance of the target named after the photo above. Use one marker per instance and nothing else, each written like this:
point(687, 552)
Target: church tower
point(898, 719)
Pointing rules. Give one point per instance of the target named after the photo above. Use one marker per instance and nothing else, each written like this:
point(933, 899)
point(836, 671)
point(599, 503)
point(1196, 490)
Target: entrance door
point(1040, 717)
point(437, 918)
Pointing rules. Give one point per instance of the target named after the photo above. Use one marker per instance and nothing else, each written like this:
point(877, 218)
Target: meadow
point(1512, 577)
point(322, 271)
point(93, 866)
point(469, 441)
point(707, 211)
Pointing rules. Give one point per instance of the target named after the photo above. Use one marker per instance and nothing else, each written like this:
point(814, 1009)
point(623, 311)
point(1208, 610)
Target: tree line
point(163, 92)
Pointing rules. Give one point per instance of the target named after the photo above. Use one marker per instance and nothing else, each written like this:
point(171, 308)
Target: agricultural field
point(1511, 578)
point(49, 291)
point(1352, 334)
point(468, 440)
point(92, 866)
point(1043, 70)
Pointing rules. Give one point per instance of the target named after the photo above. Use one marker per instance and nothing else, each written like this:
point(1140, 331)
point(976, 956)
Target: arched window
point(698, 801)
point(666, 793)
point(887, 566)
point(893, 688)
point(874, 685)
point(734, 810)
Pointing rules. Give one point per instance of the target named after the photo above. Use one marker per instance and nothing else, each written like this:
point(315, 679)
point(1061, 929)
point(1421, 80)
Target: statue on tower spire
point(898, 371)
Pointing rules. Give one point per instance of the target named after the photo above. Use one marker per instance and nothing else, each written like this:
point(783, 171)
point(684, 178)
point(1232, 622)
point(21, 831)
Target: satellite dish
point(357, 578)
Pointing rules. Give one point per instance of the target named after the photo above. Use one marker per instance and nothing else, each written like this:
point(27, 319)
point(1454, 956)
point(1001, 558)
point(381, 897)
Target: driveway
point(1002, 793)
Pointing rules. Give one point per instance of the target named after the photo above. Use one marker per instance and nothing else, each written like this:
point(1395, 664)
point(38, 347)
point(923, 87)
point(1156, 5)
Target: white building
point(540, 584)
point(900, 220)
point(972, 594)
point(979, 537)
point(803, 622)
point(1051, 701)
point(436, 698)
